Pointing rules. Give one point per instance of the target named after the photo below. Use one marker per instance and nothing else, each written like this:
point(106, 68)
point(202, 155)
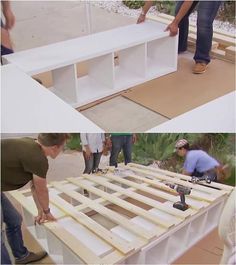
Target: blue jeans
point(206, 13)
point(91, 164)
point(121, 142)
point(13, 221)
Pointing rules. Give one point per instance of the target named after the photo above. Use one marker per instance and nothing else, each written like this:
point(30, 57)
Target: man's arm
point(145, 9)
point(174, 25)
point(84, 142)
point(8, 14)
point(32, 187)
point(41, 198)
point(134, 138)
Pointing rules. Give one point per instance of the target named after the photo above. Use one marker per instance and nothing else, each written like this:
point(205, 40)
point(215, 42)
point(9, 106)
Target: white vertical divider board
point(54, 245)
point(161, 56)
point(65, 82)
point(101, 69)
point(132, 66)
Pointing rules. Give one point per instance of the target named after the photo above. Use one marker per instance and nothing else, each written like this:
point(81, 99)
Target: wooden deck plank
point(115, 217)
point(197, 205)
point(224, 188)
point(202, 196)
point(162, 186)
point(89, 223)
point(138, 197)
point(126, 205)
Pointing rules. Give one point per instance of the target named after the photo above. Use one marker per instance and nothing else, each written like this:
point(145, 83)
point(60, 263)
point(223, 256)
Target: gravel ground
point(120, 8)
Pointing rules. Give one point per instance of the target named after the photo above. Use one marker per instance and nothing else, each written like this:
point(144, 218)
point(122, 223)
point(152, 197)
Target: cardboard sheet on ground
point(182, 91)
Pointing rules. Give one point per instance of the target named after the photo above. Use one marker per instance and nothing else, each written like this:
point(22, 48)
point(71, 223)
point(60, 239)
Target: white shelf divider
point(65, 83)
point(101, 70)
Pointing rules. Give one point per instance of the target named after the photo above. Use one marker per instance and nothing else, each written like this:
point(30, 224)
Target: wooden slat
point(77, 247)
point(207, 196)
point(102, 201)
point(126, 205)
point(193, 194)
point(230, 53)
point(93, 226)
point(231, 50)
point(115, 217)
point(83, 252)
point(222, 187)
point(138, 197)
point(155, 192)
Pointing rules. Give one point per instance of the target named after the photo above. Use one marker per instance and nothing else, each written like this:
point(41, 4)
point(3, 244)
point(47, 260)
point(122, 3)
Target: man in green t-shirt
point(25, 160)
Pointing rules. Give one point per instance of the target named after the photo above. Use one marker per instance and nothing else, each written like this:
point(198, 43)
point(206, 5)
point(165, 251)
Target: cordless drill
point(181, 205)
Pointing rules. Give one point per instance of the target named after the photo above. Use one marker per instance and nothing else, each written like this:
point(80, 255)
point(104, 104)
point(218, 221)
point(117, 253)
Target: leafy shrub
point(226, 11)
point(134, 4)
point(74, 142)
point(167, 7)
point(160, 148)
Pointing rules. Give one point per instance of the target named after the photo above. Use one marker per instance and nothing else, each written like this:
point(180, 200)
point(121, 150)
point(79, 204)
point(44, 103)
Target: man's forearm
point(33, 191)
point(147, 6)
point(183, 11)
point(5, 6)
point(42, 197)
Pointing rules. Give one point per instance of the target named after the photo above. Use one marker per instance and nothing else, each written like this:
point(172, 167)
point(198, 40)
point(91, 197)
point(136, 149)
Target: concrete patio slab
point(120, 114)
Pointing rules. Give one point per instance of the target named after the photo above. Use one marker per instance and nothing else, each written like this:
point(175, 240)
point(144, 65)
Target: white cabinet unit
point(145, 51)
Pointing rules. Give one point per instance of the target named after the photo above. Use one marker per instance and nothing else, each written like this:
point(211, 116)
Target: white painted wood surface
point(218, 115)
point(145, 52)
point(27, 106)
point(53, 56)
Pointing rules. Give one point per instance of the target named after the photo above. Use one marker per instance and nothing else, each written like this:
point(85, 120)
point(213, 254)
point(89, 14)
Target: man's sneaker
point(199, 68)
point(31, 257)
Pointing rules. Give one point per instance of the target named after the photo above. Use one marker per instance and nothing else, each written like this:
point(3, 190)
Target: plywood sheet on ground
point(182, 91)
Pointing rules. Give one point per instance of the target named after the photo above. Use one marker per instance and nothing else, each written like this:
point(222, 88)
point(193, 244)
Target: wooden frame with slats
point(138, 208)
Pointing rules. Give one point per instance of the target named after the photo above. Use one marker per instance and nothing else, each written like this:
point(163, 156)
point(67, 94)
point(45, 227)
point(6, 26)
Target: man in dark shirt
point(25, 160)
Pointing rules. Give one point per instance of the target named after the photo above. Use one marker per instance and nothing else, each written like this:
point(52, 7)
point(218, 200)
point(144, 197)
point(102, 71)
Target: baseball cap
point(180, 143)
